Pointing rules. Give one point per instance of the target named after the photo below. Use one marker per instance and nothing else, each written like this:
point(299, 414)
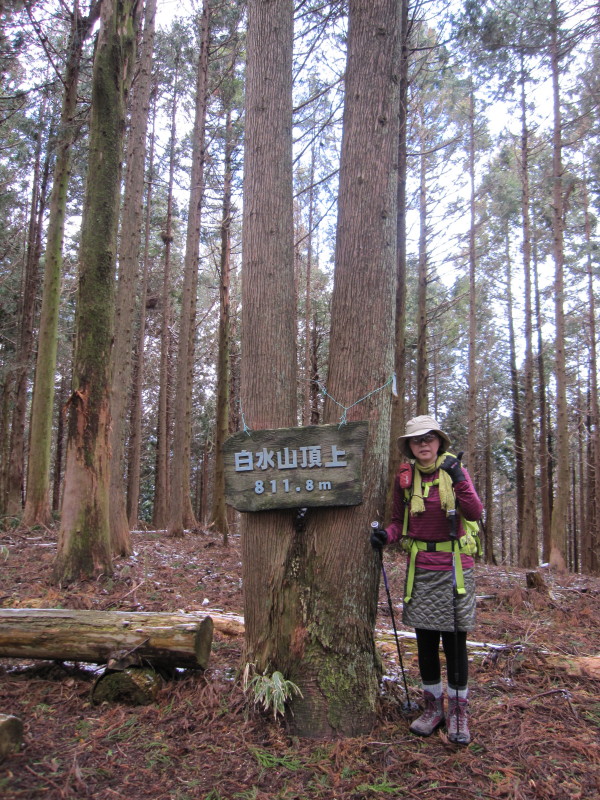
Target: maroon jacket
point(433, 525)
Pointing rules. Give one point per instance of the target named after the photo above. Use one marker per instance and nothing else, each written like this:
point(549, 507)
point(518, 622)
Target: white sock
point(463, 694)
point(436, 689)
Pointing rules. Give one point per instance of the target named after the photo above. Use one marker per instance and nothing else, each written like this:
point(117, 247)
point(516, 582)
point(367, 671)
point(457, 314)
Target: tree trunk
point(488, 549)
point(131, 232)
point(37, 501)
point(60, 441)
point(544, 441)
point(528, 544)
point(515, 393)
point(219, 508)
point(268, 364)
point(308, 317)
point(99, 637)
point(315, 341)
point(5, 402)
point(422, 367)
point(16, 462)
point(84, 536)
point(161, 478)
point(472, 357)
point(333, 572)
point(561, 499)
point(134, 456)
point(398, 401)
point(590, 555)
point(180, 509)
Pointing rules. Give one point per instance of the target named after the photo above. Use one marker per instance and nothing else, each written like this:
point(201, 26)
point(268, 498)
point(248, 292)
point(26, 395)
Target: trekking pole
point(407, 706)
point(455, 555)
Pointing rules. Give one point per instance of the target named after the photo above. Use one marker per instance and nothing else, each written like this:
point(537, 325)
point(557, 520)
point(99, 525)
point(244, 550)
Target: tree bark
point(590, 555)
point(334, 588)
point(160, 514)
point(219, 508)
point(544, 445)
point(472, 356)
point(16, 461)
point(180, 508)
point(84, 536)
point(399, 400)
point(99, 637)
point(37, 501)
point(131, 232)
point(63, 394)
point(134, 455)
point(422, 366)
point(308, 316)
point(268, 364)
point(528, 540)
point(488, 547)
point(558, 545)
point(515, 394)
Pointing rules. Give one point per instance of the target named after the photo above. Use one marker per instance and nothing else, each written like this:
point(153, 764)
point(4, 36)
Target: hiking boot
point(432, 716)
point(458, 721)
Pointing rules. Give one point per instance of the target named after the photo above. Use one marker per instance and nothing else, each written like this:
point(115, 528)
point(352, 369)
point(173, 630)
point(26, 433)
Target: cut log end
point(11, 735)
point(135, 686)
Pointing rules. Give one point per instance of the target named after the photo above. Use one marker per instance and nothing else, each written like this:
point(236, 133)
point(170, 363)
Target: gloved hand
point(453, 467)
point(378, 538)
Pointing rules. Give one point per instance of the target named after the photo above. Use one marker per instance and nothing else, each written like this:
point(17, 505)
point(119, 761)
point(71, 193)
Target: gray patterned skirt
point(431, 604)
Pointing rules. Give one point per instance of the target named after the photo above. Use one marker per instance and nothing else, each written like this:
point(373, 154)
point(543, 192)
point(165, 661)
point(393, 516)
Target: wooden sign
point(318, 465)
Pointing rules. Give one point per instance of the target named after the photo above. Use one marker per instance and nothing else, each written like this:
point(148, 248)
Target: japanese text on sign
point(317, 465)
point(310, 456)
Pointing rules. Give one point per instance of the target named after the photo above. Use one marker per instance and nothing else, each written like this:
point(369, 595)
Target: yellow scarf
point(447, 498)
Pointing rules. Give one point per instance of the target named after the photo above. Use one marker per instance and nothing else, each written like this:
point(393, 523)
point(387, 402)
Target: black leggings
point(428, 644)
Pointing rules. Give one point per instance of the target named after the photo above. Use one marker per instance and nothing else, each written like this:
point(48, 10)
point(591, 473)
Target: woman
point(432, 494)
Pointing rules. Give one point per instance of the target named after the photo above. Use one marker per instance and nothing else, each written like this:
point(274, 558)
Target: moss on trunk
point(84, 537)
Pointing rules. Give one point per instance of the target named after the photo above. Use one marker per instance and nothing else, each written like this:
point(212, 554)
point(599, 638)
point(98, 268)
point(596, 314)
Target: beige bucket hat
point(418, 426)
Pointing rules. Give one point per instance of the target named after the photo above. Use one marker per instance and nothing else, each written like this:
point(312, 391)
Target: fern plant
point(270, 692)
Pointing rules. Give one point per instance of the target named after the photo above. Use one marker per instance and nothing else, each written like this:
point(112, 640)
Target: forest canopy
point(498, 196)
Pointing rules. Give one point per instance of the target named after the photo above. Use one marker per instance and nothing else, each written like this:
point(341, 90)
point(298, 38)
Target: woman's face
point(425, 448)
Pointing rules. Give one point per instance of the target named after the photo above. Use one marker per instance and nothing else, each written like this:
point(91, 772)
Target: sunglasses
point(427, 438)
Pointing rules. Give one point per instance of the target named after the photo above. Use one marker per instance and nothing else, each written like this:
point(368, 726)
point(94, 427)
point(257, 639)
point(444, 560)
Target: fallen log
point(116, 638)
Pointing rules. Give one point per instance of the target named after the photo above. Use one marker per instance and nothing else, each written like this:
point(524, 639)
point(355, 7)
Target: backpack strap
point(418, 545)
point(414, 546)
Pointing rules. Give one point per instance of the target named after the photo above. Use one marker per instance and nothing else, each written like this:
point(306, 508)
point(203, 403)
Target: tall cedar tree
point(84, 536)
point(14, 481)
point(311, 591)
point(219, 508)
point(161, 478)
point(339, 666)
point(558, 544)
point(528, 539)
point(129, 258)
point(134, 454)
point(37, 501)
point(268, 364)
point(181, 514)
point(398, 402)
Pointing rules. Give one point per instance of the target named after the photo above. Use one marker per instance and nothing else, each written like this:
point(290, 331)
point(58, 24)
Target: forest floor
point(535, 699)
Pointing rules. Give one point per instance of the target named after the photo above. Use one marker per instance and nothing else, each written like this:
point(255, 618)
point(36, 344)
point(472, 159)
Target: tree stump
point(535, 580)
point(11, 735)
